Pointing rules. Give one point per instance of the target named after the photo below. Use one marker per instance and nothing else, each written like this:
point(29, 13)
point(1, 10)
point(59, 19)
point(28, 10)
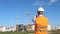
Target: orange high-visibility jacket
point(41, 25)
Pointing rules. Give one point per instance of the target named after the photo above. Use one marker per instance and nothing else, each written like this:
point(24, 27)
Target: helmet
point(41, 9)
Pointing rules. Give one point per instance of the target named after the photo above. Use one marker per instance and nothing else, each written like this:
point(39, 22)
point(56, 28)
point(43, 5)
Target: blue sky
point(9, 9)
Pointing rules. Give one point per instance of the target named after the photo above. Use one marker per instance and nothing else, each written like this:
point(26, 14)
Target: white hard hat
point(41, 9)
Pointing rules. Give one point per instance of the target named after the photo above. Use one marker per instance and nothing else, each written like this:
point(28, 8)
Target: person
point(41, 22)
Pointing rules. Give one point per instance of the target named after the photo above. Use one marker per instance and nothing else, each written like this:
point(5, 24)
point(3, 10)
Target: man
point(41, 22)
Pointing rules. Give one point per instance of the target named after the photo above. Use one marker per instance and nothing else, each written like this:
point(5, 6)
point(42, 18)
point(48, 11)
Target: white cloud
point(51, 2)
point(41, 3)
point(38, 3)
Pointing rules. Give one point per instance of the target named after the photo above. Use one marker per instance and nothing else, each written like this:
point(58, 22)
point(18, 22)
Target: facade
point(49, 28)
point(33, 27)
point(20, 27)
point(25, 27)
point(58, 28)
point(2, 29)
point(11, 29)
point(28, 27)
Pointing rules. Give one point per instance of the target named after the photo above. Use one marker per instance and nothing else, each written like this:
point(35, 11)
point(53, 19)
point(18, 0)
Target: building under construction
point(21, 27)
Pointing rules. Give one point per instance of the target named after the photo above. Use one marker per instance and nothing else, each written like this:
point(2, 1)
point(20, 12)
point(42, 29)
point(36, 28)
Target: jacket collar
point(40, 15)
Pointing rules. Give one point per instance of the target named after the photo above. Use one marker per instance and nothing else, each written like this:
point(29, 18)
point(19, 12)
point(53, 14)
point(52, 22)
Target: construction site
point(28, 28)
point(29, 17)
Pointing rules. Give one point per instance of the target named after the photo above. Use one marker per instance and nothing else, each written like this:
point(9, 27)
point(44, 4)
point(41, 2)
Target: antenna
point(27, 16)
point(16, 20)
point(16, 23)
